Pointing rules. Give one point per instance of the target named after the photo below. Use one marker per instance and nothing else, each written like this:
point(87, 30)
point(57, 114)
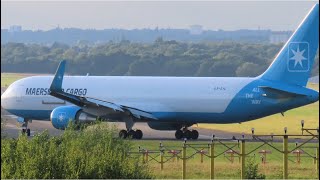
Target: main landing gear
point(185, 133)
point(137, 134)
point(129, 133)
point(25, 129)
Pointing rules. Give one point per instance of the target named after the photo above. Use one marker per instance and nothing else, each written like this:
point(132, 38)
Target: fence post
point(161, 160)
point(147, 155)
point(184, 155)
point(243, 158)
point(212, 160)
point(285, 157)
point(161, 156)
point(142, 154)
point(201, 158)
point(317, 161)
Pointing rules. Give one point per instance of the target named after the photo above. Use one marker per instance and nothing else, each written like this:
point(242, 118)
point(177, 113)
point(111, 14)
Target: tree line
point(161, 58)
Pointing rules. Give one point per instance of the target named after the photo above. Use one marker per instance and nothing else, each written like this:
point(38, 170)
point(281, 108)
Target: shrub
point(3, 125)
point(94, 152)
point(251, 171)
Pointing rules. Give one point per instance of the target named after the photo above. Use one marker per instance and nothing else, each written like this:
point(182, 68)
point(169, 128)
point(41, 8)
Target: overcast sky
point(213, 15)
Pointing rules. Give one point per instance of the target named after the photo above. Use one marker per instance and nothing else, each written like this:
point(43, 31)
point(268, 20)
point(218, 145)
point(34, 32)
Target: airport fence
point(236, 148)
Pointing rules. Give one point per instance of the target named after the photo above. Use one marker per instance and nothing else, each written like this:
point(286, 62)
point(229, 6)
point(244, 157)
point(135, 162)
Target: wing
point(92, 105)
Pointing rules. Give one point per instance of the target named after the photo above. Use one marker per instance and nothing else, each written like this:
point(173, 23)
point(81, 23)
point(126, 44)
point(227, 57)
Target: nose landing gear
point(25, 129)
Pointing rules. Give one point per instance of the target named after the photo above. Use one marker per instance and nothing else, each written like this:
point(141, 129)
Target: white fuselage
point(152, 94)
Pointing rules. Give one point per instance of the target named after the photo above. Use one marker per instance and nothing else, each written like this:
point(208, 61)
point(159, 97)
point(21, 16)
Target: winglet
point(56, 84)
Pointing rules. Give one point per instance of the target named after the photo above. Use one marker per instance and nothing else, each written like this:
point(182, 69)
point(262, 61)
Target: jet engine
point(61, 116)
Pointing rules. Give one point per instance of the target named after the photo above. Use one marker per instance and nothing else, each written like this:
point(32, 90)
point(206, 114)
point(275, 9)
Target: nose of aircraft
point(4, 100)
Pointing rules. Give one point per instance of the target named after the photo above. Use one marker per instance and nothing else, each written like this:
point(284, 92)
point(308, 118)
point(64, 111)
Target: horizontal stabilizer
point(271, 92)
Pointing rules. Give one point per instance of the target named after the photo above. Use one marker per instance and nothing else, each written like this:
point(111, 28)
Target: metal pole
point(147, 156)
point(184, 155)
point(212, 160)
point(243, 158)
point(317, 161)
point(143, 157)
point(232, 157)
point(285, 157)
point(176, 154)
point(161, 160)
point(201, 153)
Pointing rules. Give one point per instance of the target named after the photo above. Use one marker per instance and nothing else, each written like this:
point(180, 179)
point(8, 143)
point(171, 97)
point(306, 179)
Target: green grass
point(8, 78)
point(224, 169)
point(276, 123)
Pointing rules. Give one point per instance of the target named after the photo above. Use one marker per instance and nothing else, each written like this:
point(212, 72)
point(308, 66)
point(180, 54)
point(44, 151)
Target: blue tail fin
point(294, 62)
point(56, 84)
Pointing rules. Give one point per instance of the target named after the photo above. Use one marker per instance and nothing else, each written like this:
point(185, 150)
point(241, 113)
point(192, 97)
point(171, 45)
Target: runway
point(13, 128)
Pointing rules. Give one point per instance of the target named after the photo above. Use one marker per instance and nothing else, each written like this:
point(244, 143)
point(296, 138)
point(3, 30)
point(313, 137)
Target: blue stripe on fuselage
point(31, 114)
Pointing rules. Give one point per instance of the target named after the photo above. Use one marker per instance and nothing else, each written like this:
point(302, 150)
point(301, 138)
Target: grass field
point(8, 78)
point(271, 124)
point(224, 169)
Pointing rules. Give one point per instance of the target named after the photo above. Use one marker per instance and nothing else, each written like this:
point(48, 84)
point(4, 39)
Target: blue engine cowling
point(61, 116)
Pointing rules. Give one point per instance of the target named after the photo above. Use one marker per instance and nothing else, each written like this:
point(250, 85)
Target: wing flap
point(138, 113)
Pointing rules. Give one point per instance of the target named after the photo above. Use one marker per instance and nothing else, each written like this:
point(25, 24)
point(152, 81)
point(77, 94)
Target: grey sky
point(213, 15)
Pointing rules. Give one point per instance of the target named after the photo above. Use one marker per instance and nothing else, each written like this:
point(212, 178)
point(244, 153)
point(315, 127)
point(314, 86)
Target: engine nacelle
point(61, 116)
point(164, 125)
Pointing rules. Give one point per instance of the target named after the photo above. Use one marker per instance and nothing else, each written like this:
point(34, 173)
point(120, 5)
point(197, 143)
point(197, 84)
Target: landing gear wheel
point(123, 134)
point(28, 132)
point(187, 134)
point(132, 134)
point(194, 134)
point(179, 134)
point(139, 134)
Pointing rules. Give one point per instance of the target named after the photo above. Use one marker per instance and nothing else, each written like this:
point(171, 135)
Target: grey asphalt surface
point(13, 128)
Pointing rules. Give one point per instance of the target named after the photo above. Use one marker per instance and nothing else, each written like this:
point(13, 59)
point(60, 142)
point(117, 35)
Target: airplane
point(171, 103)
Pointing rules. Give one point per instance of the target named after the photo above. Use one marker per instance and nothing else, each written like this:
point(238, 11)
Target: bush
point(94, 152)
point(252, 170)
point(3, 125)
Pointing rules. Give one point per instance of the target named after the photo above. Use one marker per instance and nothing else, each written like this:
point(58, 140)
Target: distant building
point(279, 37)
point(196, 29)
point(15, 28)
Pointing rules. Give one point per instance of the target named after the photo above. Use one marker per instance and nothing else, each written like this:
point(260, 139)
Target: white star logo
point(61, 117)
point(298, 57)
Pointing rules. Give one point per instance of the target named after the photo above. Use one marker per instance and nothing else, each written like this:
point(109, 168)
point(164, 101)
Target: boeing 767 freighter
point(172, 103)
